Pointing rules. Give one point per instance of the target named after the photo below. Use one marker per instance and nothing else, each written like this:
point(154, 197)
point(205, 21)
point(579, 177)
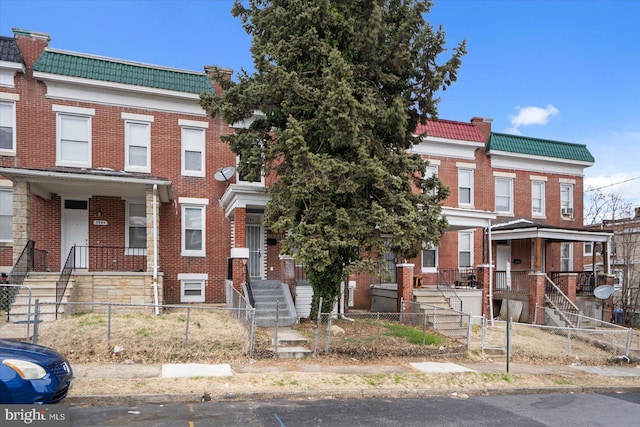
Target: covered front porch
point(90, 223)
point(541, 264)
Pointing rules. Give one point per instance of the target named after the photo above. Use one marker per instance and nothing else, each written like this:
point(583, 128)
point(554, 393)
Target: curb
point(133, 400)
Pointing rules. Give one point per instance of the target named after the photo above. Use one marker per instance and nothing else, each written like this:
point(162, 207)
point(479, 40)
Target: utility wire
point(611, 185)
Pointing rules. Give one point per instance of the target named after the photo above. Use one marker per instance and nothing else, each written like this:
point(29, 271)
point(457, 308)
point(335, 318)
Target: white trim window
point(137, 142)
point(430, 172)
point(566, 256)
point(566, 200)
point(193, 228)
point(588, 249)
point(6, 214)
point(465, 249)
point(193, 147)
point(504, 195)
point(73, 136)
point(465, 187)
point(136, 232)
point(192, 287)
point(429, 259)
point(7, 128)
point(538, 199)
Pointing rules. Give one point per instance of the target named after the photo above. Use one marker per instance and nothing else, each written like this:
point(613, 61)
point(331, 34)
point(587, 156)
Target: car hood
point(10, 349)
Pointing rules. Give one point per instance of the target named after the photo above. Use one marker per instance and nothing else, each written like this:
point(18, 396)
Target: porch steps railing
point(272, 302)
point(557, 300)
point(43, 288)
point(30, 259)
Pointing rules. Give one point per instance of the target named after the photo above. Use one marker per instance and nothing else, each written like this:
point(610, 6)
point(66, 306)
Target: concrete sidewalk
point(218, 379)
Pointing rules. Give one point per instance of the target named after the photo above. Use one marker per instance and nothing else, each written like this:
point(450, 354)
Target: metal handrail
point(252, 301)
point(448, 293)
point(559, 300)
point(65, 275)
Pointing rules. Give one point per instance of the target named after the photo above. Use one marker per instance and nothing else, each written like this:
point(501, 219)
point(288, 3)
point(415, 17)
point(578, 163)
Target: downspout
point(343, 285)
point(155, 248)
point(490, 296)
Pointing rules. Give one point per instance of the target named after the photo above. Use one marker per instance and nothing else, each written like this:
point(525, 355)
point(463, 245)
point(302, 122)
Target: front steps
point(440, 316)
point(273, 302)
point(290, 344)
point(43, 288)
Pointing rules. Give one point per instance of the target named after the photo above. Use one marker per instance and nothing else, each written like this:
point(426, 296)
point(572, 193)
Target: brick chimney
point(31, 45)
point(219, 76)
point(484, 125)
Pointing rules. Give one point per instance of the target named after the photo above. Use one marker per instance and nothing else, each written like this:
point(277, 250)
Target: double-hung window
point(465, 187)
point(192, 286)
point(193, 147)
point(566, 200)
point(7, 128)
point(566, 256)
point(136, 233)
point(465, 249)
point(431, 171)
point(537, 198)
point(504, 195)
point(137, 137)
point(73, 136)
point(6, 214)
point(429, 259)
point(193, 226)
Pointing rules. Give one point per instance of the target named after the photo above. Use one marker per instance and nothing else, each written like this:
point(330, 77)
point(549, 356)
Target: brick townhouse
point(111, 172)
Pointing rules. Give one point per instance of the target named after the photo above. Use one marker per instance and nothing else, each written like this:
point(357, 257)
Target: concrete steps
point(272, 303)
point(43, 288)
point(290, 344)
point(440, 316)
point(431, 297)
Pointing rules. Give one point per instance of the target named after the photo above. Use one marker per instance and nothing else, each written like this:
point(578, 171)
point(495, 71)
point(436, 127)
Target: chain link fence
point(593, 341)
point(413, 332)
point(16, 309)
point(133, 332)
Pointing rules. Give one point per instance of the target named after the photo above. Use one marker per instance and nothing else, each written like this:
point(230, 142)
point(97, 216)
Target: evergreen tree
point(340, 86)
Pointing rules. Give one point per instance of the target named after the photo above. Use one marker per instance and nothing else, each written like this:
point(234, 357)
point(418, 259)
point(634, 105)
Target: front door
point(255, 243)
point(75, 231)
point(503, 255)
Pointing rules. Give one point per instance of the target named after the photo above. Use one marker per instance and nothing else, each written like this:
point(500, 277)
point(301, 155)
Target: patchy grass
point(413, 335)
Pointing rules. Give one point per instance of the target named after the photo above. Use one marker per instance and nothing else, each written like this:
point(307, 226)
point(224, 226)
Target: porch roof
point(463, 219)
point(244, 196)
point(88, 182)
point(526, 229)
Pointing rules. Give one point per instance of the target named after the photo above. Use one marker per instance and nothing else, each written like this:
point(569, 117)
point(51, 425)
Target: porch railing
point(465, 277)
point(519, 281)
point(448, 293)
point(110, 258)
point(560, 301)
point(65, 275)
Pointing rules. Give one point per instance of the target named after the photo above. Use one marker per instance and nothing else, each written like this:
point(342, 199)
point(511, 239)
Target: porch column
point(606, 261)
point(151, 232)
point(538, 255)
point(567, 285)
point(239, 251)
point(404, 273)
point(536, 296)
point(483, 272)
point(21, 217)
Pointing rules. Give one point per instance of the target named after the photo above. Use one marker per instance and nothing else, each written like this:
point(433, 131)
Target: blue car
point(32, 374)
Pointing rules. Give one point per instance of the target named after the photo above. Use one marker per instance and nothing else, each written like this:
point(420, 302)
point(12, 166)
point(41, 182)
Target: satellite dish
point(224, 173)
point(603, 291)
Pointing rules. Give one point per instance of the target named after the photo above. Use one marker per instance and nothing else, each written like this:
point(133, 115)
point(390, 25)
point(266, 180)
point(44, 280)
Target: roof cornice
point(118, 86)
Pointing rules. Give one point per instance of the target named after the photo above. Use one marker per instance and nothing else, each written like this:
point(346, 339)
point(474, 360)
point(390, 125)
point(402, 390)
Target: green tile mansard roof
point(538, 147)
point(121, 72)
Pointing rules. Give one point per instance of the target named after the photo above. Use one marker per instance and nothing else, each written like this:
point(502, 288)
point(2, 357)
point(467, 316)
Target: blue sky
point(564, 70)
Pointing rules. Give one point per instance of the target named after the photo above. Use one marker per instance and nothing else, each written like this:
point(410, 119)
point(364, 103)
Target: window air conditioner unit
point(567, 212)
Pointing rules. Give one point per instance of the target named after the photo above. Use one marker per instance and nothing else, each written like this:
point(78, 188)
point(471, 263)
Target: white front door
point(75, 231)
point(255, 243)
point(503, 255)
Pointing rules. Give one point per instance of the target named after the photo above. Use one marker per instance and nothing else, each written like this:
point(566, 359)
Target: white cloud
point(531, 116)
